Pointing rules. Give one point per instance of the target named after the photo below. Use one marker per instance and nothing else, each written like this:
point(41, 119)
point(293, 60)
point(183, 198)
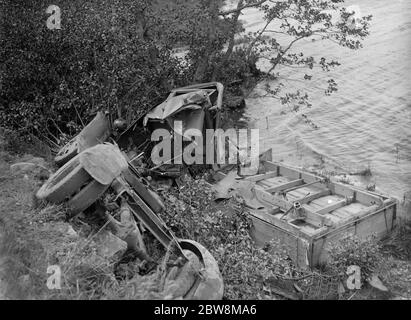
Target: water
point(367, 122)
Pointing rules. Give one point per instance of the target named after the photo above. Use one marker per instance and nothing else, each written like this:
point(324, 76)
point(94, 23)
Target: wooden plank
point(263, 232)
point(317, 195)
point(341, 214)
point(277, 180)
point(305, 186)
point(285, 186)
point(359, 195)
point(266, 197)
point(325, 201)
point(308, 177)
point(341, 190)
point(291, 173)
point(262, 176)
point(320, 246)
point(311, 231)
point(265, 184)
point(270, 166)
point(334, 206)
point(297, 194)
point(297, 247)
point(260, 214)
point(219, 176)
point(367, 198)
point(317, 219)
point(351, 209)
point(377, 223)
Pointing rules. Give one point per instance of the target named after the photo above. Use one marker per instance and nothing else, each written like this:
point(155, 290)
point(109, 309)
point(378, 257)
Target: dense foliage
point(353, 251)
point(119, 55)
point(101, 58)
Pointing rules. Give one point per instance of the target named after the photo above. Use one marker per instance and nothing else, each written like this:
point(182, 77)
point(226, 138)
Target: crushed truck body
point(195, 107)
point(103, 170)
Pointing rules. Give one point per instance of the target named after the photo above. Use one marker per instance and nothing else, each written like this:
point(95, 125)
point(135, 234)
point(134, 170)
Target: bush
point(108, 55)
point(53, 81)
point(353, 251)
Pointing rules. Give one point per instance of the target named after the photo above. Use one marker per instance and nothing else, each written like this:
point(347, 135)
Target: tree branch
point(249, 5)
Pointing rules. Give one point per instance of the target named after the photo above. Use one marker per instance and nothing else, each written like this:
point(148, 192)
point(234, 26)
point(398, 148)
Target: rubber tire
point(86, 197)
point(64, 182)
point(68, 152)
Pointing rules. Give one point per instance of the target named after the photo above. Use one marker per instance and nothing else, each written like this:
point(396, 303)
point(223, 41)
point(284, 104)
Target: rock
point(33, 166)
point(71, 232)
point(109, 246)
point(376, 283)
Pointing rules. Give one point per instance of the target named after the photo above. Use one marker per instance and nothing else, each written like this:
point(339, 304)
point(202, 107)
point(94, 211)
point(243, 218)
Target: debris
point(376, 283)
point(71, 232)
point(211, 286)
point(36, 167)
point(104, 162)
point(224, 186)
point(97, 131)
point(109, 246)
point(284, 288)
point(179, 280)
point(64, 228)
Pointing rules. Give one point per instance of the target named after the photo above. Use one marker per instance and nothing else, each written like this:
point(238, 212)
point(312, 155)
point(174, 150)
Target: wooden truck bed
point(306, 213)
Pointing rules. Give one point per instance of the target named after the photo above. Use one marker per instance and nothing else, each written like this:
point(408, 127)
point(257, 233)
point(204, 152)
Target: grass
point(399, 242)
point(34, 236)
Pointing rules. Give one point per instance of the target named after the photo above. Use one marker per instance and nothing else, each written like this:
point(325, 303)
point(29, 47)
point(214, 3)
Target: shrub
point(353, 251)
point(53, 81)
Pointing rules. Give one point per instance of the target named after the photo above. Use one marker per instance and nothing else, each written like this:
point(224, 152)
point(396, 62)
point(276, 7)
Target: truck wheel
point(64, 182)
point(72, 183)
point(86, 197)
point(68, 152)
point(95, 132)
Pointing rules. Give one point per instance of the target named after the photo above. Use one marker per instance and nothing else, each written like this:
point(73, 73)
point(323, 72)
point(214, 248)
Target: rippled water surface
point(368, 121)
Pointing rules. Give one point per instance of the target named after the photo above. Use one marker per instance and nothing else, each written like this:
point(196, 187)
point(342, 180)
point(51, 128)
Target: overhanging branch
point(249, 5)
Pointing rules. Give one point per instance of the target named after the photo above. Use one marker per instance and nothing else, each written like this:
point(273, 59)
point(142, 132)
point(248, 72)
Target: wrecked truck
point(95, 173)
point(197, 107)
point(102, 176)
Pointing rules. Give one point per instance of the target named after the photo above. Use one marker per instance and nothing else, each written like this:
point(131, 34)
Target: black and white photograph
point(215, 157)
